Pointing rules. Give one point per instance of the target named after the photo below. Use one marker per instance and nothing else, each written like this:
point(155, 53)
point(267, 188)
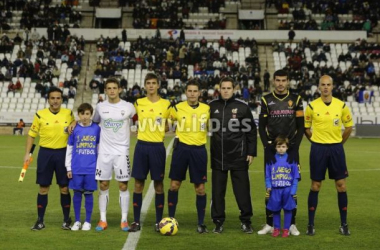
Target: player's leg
point(121, 165)
point(103, 174)
point(338, 171)
point(124, 204)
point(274, 204)
point(219, 187)
point(90, 186)
point(103, 204)
point(293, 228)
point(201, 201)
point(276, 223)
point(268, 227)
point(342, 203)
point(287, 222)
point(159, 202)
point(241, 188)
point(76, 184)
point(177, 174)
point(319, 160)
point(63, 182)
point(43, 178)
point(156, 162)
point(140, 171)
point(198, 176)
point(173, 196)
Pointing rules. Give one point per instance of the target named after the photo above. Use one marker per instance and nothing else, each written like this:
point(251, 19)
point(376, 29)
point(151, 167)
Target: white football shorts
point(120, 164)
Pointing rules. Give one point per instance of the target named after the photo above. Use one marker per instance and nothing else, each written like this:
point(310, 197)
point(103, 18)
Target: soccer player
point(81, 156)
point(325, 116)
point(114, 116)
point(233, 147)
point(281, 181)
point(51, 125)
point(150, 154)
point(190, 151)
point(281, 115)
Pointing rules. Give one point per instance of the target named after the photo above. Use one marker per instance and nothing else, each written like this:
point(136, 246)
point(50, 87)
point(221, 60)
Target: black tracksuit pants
point(242, 192)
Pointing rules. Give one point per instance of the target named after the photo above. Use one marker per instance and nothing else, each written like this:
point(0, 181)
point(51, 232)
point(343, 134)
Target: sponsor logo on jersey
point(327, 113)
point(216, 112)
point(271, 103)
point(115, 125)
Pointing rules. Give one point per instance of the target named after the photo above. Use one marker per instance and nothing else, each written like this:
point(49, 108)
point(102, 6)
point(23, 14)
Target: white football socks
point(103, 203)
point(124, 204)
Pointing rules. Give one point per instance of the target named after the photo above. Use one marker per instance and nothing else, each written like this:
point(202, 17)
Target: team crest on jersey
point(111, 124)
point(158, 120)
point(123, 112)
point(234, 112)
point(290, 104)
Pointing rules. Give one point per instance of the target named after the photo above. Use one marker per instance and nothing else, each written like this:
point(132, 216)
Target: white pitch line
point(133, 238)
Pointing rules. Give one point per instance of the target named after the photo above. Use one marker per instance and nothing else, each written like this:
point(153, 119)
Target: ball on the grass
point(168, 226)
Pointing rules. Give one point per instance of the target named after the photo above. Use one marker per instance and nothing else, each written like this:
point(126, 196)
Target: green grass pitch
point(18, 209)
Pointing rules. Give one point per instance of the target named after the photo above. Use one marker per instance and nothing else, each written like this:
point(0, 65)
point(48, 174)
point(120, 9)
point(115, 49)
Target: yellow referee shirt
point(327, 120)
point(191, 123)
point(152, 118)
point(52, 128)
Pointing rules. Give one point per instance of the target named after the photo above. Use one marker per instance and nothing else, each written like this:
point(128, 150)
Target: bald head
point(326, 86)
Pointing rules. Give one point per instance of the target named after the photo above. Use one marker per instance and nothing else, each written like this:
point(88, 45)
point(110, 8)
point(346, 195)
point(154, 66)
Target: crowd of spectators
point(176, 60)
point(167, 14)
point(360, 74)
point(44, 62)
point(365, 14)
point(34, 15)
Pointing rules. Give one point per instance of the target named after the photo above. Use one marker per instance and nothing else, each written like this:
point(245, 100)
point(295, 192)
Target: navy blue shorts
point(194, 157)
point(83, 182)
point(327, 156)
point(48, 162)
point(280, 198)
point(149, 156)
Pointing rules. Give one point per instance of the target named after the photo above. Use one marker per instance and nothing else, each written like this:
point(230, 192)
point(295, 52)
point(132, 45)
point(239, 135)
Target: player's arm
point(347, 123)
point(33, 133)
point(251, 135)
point(300, 122)
point(308, 121)
point(69, 155)
point(28, 147)
point(263, 122)
point(268, 183)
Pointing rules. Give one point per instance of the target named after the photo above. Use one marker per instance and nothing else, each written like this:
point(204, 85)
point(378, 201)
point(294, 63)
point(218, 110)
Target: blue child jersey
point(281, 173)
point(85, 152)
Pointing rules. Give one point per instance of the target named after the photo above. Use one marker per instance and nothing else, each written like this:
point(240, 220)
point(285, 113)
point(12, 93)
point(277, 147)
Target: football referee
point(190, 151)
point(51, 125)
point(325, 116)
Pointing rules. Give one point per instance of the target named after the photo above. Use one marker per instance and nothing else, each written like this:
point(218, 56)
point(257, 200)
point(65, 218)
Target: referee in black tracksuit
point(233, 147)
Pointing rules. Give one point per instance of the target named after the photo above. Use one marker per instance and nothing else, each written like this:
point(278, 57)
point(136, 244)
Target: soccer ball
point(168, 226)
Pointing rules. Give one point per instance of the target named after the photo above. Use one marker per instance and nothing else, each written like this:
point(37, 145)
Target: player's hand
point(268, 190)
point(134, 129)
point(69, 174)
point(27, 158)
point(71, 127)
point(250, 159)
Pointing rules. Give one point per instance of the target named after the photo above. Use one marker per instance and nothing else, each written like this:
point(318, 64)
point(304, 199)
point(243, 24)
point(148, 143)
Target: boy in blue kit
point(81, 156)
point(281, 179)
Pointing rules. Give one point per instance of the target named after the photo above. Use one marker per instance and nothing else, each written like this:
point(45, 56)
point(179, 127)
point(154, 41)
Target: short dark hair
point(112, 80)
point(192, 82)
point(85, 106)
point(280, 72)
point(281, 140)
point(150, 76)
point(54, 89)
point(227, 79)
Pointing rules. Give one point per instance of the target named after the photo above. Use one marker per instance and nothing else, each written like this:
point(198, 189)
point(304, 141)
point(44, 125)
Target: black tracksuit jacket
point(234, 134)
